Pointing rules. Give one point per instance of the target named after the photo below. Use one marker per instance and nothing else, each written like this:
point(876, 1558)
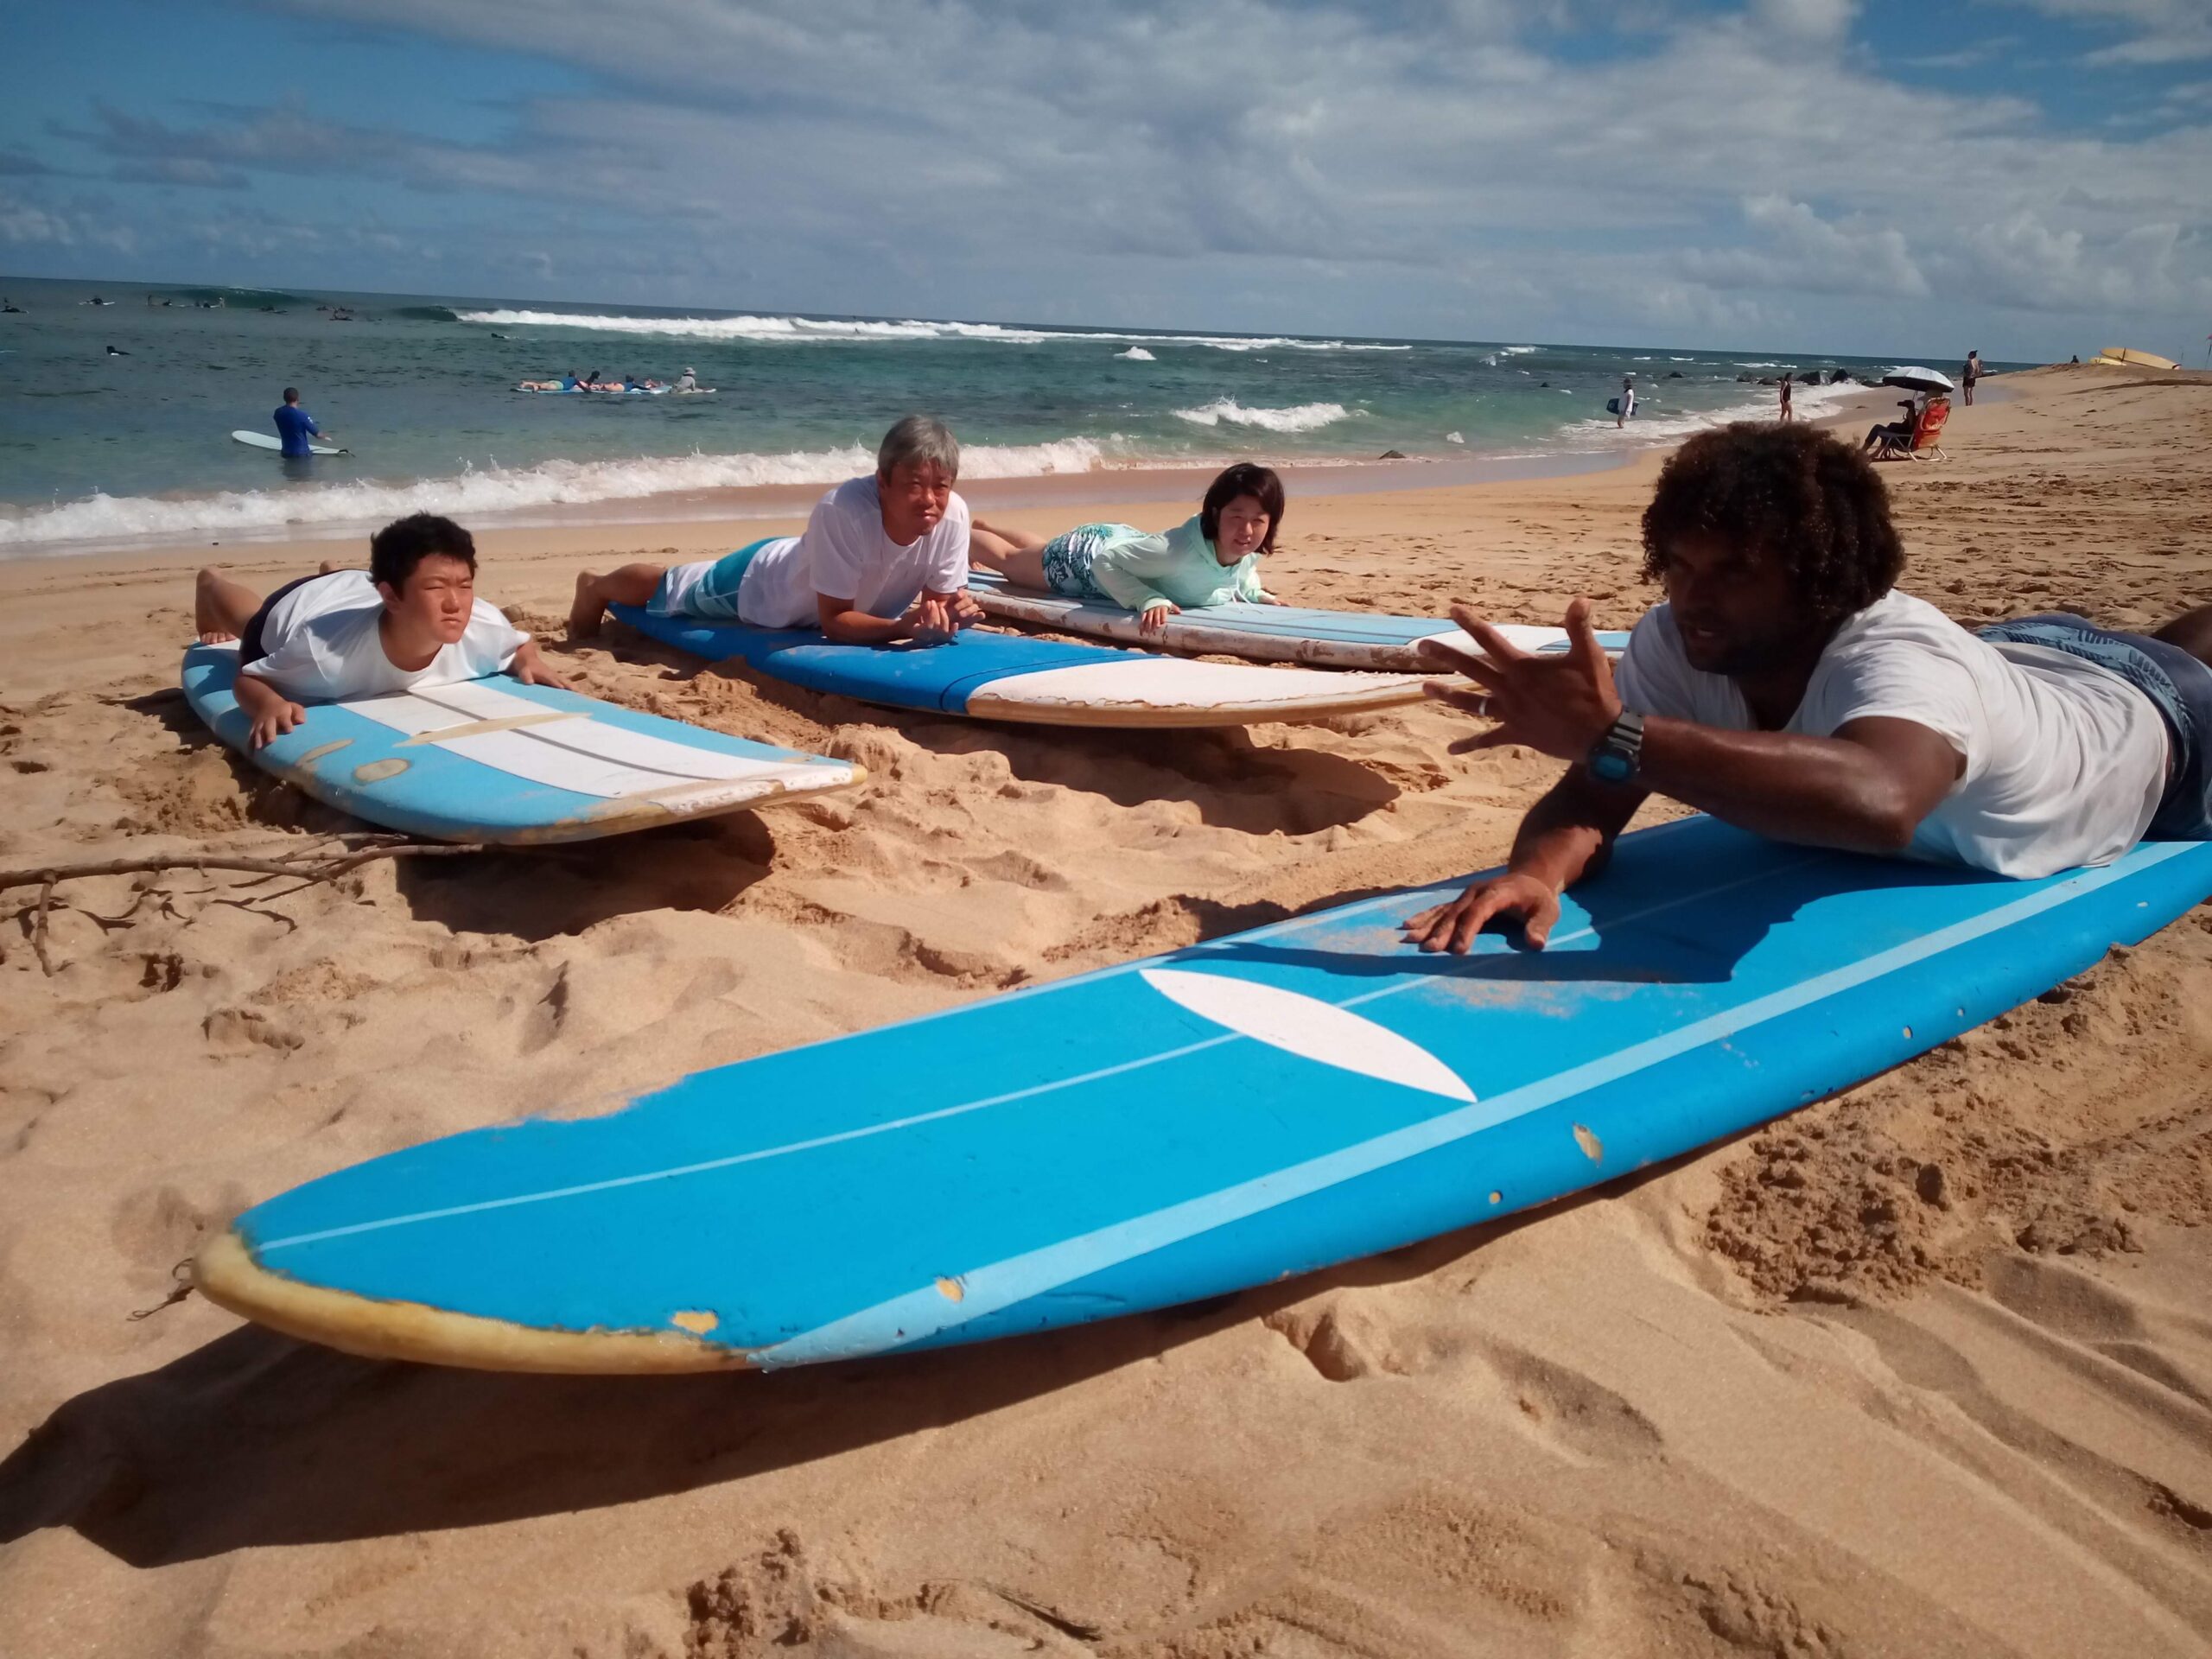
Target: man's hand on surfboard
point(1453, 927)
point(1559, 704)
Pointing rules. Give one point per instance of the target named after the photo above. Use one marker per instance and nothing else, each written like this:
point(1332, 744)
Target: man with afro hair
point(1787, 687)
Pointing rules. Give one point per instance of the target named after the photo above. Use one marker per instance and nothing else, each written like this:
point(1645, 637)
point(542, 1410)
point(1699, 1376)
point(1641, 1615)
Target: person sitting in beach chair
point(1787, 687)
point(1919, 437)
point(884, 558)
point(412, 619)
point(1211, 558)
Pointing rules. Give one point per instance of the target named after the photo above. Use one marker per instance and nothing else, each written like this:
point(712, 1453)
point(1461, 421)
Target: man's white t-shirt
point(323, 641)
point(2065, 762)
point(845, 555)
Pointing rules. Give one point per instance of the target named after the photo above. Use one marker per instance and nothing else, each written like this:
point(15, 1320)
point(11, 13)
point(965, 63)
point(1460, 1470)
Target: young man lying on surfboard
point(1210, 559)
point(412, 620)
point(884, 558)
point(1787, 688)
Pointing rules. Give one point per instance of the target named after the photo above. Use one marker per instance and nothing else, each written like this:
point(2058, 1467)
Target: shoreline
point(1101, 486)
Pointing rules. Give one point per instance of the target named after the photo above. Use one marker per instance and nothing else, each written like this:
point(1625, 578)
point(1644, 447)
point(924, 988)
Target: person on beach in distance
point(1628, 401)
point(1211, 558)
point(295, 426)
point(1786, 378)
point(412, 619)
point(884, 558)
point(1970, 373)
point(1786, 687)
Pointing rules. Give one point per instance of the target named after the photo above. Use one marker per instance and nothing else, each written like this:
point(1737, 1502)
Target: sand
point(1925, 1370)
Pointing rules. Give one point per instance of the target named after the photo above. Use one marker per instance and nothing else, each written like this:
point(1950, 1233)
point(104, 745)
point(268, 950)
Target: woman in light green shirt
point(1212, 559)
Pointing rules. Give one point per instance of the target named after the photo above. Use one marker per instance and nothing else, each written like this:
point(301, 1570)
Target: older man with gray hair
point(884, 558)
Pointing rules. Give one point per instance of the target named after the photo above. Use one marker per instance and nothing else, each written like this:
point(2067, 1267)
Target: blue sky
point(2030, 177)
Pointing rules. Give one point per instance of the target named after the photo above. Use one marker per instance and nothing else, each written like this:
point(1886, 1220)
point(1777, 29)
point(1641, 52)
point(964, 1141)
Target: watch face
point(1611, 766)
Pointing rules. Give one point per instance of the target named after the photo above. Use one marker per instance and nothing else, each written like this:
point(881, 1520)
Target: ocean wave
point(1137, 354)
point(1520, 350)
point(779, 330)
point(497, 490)
point(1297, 418)
point(1649, 426)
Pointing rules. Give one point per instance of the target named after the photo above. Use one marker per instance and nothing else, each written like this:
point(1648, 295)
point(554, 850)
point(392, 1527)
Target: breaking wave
point(1299, 417)
point(494, 490)
point(799, 330)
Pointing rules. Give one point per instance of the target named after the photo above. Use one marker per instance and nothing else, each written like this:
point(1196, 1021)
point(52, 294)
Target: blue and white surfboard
point(496, 760)
point(1012, 676)
point(1267, 633)
point(1177, 1128)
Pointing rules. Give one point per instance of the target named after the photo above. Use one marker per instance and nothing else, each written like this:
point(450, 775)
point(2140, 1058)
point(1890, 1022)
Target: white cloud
point(2159, 31)
point(1428, 167)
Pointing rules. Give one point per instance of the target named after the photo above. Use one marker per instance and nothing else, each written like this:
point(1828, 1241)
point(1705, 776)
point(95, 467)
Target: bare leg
point(633, 584)
point(221, 608)
point(1014, 554)
point(2192, 632)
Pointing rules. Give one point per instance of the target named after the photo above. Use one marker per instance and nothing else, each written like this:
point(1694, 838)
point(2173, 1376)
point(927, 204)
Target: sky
point(2029, 178)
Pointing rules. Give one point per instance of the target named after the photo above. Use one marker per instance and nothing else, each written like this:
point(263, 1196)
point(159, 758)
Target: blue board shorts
point(2179, 685)
point(707, 589)
point(1067, 561)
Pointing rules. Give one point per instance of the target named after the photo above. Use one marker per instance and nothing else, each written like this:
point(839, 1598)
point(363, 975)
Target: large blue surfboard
point(1177, 1128)
point(1267, 633)
point(992, 675)
point(496, 760)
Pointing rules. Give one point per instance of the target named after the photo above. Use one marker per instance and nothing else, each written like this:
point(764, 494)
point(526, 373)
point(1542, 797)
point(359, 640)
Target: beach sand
point(1925, 1370)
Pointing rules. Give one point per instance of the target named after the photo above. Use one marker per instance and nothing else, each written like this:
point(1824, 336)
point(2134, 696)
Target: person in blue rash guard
point(295, 426)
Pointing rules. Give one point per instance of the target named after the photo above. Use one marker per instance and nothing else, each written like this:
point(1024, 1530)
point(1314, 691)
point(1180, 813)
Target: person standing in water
point(1970, 373)
point(1787, 377)
point(1627, 401)
point(295, 426)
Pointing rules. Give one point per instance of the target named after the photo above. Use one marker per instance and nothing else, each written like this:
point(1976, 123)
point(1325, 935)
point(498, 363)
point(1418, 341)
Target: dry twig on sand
point(319, 863)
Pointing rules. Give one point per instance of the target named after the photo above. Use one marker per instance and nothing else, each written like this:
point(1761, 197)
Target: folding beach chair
point(1925, 444)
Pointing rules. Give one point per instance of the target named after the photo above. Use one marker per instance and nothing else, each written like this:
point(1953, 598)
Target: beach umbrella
point(1917, 380)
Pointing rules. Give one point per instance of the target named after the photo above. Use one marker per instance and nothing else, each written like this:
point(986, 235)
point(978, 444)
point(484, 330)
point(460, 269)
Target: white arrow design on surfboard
point(1309, 1027)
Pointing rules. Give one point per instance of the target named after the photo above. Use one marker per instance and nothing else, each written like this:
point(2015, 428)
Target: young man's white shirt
point(323, 640)
point(2065, 762)
point(846, 555)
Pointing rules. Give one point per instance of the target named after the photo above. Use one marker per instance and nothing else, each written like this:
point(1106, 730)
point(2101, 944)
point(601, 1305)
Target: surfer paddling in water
point(412, 620)
point(1786, 686)
point(884, 559)
point(1213, 558)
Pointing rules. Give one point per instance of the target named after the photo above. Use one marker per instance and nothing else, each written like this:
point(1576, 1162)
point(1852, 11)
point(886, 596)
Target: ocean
point(115, 419)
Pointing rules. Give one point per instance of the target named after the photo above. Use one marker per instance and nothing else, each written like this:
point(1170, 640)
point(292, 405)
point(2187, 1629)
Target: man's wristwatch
point(1615, 758)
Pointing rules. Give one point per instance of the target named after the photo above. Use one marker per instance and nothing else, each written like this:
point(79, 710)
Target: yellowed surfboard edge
point(226, 1273)
point(629, 812)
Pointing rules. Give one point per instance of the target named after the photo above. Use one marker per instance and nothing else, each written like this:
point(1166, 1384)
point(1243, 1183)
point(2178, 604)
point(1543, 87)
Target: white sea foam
point(1136, 354)
point(801, 330)
point(1520, 350)
point(495, 490)
point(1651, 425)
point(1297, 418)
point(1454, 437)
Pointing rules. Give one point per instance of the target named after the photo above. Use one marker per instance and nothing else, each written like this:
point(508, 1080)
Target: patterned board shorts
point(707, 588)
point(1067, 561)
point(2174, 681)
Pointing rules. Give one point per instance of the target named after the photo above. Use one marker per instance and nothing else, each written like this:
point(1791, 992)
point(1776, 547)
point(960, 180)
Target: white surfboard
point(1267, 633)
point(262, 441)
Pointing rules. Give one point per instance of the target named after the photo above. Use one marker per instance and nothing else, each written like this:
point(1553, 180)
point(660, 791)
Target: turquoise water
point(97, 449)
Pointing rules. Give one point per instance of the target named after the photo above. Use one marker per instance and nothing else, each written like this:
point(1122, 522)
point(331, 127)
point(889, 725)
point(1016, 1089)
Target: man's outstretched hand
point(1453, 927)
point(1559, 704)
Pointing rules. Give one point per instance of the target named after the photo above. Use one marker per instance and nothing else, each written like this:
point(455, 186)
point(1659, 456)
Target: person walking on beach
point(1627, 401)
point(1211, 558)
point(884, 559)
point(295, 426)
point(1787, 688)
point(1970, 373)
point(1786, 378)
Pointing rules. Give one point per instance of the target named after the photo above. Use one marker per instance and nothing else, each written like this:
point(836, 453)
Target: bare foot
point(584, 614)
point(215, 637)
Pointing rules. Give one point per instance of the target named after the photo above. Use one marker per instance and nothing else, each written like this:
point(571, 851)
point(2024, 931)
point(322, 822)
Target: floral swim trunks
point(1067, 560)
